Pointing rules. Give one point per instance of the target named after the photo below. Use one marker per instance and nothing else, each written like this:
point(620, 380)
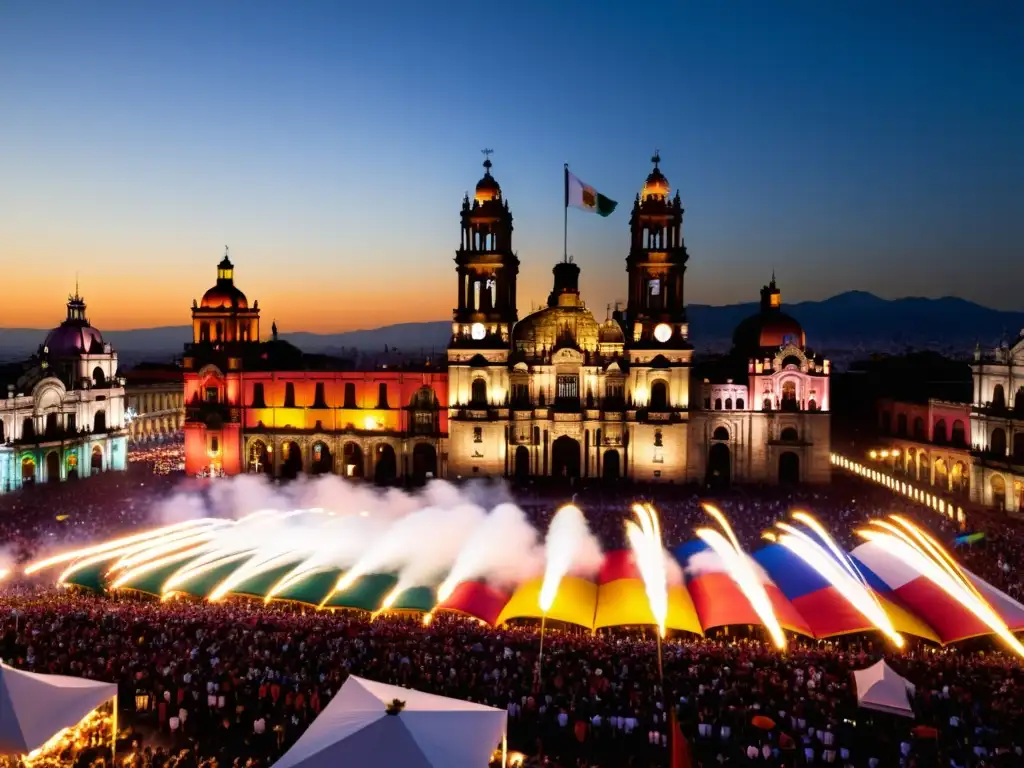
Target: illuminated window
point(211, 394)
point(568, 387)
point(478, 434)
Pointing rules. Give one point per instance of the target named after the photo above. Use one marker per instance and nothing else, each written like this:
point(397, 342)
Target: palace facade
point(266, 407)
point(997, 427)
point(62, 411)
point(556, 393)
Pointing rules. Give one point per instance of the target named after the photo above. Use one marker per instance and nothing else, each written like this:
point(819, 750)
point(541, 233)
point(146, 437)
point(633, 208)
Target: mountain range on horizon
point(854, 320)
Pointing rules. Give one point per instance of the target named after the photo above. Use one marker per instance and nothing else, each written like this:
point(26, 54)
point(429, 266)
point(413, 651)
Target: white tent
point(880, 687)
point(34, 708)
point(431, 731)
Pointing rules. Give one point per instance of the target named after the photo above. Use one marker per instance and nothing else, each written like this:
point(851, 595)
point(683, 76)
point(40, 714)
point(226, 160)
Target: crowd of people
point(236, 683)
point(161, 457)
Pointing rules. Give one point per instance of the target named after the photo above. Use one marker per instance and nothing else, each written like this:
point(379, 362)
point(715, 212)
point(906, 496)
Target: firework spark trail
point(834, 565)
point(645, 540)
point(113, 545)
point(737, 564)
point(155, 565)
point(504, 546)
point(566, 540)
point(909, 544)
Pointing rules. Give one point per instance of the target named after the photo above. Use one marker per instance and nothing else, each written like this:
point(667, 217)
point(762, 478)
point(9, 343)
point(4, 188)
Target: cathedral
point(62, 411)
point(557, 393)
point(561, 394)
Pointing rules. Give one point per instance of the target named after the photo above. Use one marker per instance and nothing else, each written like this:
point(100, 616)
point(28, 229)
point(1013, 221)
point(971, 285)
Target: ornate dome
point(770, 328)
point(74, 336)
point(487, 188)
point(224, 295)
point(551, 327)
point(656, 185)
point(611, 333)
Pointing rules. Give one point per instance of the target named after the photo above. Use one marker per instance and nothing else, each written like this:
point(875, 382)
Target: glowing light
point(477, 331)
point(427, 619)
point(873, 454)
point(369, 423)
point(835, 566)
point(907, 542)
point(738, 565)
point(662, 332)
point(561, 551)
point(645, 540)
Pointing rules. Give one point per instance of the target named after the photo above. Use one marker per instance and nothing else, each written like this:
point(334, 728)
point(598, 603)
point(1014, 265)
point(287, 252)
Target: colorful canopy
point(803, 600)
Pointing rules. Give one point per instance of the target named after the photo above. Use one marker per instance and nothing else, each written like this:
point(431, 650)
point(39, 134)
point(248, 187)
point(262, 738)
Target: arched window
point(740, 404)
point(789, 434)
point(997, 444)
point(99, 423)
point(959, 436)
point(350, 395)
point(939, 435)
point(919, 428)
point(1018, 402)
point(659, 396)
point(720, 433)
point(1018, 447)
point(998, 397)
point(478, 392)
point(99, 377)
point(789, 401)
point(766, 404)
point(718, 403)
point(728, 403)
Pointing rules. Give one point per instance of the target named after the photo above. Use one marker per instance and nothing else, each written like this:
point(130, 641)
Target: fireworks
point(645, 539)
point(909, 543)
point(738, 565)
point(822, 554)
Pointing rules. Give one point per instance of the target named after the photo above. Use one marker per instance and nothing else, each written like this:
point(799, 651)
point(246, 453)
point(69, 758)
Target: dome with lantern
point(75, 336)
point(770, 328)
point(656, 185)
point(224, 295)
point(487, 188)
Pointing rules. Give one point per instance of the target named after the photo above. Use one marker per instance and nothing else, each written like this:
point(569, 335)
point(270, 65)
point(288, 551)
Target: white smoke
point(470, 533)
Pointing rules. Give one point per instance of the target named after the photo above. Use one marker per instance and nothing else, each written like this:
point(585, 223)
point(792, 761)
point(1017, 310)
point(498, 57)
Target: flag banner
point(585, 197)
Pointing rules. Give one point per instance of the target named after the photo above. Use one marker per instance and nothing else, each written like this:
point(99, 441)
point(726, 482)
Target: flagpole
point(565, 218)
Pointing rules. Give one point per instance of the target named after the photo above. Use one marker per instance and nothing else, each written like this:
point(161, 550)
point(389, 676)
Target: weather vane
point(657, 158)
point(487, 157)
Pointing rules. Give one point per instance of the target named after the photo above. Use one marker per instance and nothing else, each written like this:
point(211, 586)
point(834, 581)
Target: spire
point(656, 158)
point(487, 160)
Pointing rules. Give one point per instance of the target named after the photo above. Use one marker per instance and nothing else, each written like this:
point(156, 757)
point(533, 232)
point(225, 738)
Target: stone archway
point(28, 471)
point(565, 457)
point(259, 460)
point(72, 462)
point(719, 469)
point(610, 468)
point(424, 462)
point(789, 468)
point(998, 487)
point(291, 459)
point(385, 464)
point(941, 475)
point(96, 460)
point(52, 467)
point(321, 461)
point(522, 463)
point(353, 463)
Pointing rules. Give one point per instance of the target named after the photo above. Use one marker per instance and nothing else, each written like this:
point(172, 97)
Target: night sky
point(846, 145)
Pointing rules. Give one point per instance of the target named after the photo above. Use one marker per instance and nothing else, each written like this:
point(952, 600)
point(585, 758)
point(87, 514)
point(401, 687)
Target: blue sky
point(870, 145)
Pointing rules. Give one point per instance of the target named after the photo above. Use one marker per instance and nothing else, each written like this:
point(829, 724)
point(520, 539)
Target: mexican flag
point(585, 197)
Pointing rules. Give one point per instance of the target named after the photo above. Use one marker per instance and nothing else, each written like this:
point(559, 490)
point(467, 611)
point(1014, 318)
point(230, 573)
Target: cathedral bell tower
point(487, 269)
point(656, 312)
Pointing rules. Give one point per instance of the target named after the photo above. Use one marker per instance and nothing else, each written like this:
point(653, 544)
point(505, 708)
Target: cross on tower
point(487, 158)
point(656, 158)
